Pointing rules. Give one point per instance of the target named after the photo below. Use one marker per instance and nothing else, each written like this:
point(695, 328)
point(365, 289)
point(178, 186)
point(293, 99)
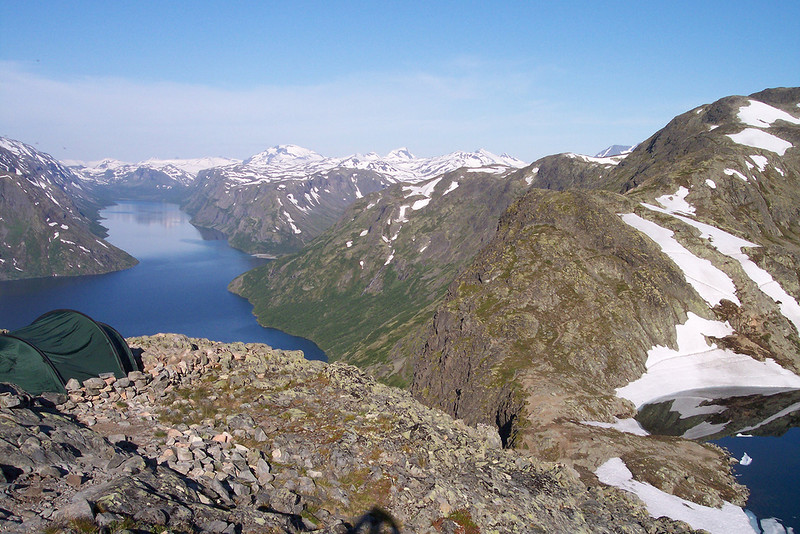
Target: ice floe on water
point(746, 460)
point(730, 519)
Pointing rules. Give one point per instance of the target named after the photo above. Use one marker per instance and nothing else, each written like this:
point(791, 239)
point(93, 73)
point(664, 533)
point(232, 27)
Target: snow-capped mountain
point(615, 150)
point(279, 199)
point(46, 226)
point(291, 161)
point(162, 179)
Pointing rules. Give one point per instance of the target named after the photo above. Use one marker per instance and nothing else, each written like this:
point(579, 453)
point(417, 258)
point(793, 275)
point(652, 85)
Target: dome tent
point(60, 345)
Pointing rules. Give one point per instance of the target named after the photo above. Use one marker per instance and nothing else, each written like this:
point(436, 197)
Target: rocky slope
point(362, 288)
point(281, 199)
point(47, 219)
point(230, 438)
point(588, 304)
point(610, 283)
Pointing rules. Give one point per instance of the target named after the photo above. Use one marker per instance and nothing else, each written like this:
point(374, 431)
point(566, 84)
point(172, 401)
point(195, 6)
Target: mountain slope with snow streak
point(46, 219)
point(278, 200)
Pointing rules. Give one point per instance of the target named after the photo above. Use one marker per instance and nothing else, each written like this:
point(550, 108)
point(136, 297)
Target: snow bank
point(762, 115)
point(734, 172)
point(698, 364)
point(731, 246)
point(755, 138)
point(711, 284)
point(729, 519)
point(677, 203)
point(629, 426)
point(760, 161)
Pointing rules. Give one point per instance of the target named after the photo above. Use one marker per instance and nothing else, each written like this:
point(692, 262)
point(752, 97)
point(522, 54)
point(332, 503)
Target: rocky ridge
point(227, 438)
point(362, 288)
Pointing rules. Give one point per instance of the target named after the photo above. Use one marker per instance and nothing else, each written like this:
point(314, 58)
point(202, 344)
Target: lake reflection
point(759, 427)
point(179, 286)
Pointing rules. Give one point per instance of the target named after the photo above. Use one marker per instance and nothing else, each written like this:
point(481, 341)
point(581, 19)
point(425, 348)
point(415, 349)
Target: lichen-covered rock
point(191, 460)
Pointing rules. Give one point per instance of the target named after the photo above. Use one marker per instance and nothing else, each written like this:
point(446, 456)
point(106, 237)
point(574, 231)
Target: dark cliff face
point(45, 224)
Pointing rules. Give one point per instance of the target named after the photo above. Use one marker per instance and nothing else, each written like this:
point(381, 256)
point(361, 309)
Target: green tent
point(60, 345)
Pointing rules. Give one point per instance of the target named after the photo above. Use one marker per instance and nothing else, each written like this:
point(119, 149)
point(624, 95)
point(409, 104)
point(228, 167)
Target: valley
point(565, 304)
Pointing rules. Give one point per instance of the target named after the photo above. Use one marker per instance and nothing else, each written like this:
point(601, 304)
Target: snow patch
point(710, 183)
point(755, 138)
point(349, 244)
point(711, 284)
point(729, 519)
point(390, 258)
point(401, 217)
point(419, 204)
point(612, 160)
point(677, 202)
point(698, 364)
point(425, 190)
point(733, 172)
point(731, 246)
point(453, 186)
point(363, 233)
point(760, 161)
point(629, 426)
point(762, 115)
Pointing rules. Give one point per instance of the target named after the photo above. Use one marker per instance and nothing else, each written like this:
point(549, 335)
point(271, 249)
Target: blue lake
point(179, 286)
point(759, 422)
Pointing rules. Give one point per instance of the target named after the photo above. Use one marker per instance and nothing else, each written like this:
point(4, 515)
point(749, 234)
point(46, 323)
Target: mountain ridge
point(48, 219)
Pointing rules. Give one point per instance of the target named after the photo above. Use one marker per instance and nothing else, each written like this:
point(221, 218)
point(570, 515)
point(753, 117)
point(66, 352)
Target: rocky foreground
point(232, 438)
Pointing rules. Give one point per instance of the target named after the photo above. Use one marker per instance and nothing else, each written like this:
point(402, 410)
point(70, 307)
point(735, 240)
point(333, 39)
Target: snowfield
point(729, 519)
point(755, 138)
point(698, 363)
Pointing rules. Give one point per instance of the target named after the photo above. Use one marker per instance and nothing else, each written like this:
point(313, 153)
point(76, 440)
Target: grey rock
point(78, 508)
point(94, 383)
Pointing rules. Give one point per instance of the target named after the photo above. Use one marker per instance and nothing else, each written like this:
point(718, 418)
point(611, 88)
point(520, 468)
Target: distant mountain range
point(279, 200)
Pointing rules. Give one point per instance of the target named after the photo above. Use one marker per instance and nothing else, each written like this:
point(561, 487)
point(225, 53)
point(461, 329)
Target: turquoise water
point(179, 286)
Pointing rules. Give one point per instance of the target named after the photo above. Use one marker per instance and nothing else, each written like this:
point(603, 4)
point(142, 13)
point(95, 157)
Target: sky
point(132, 80)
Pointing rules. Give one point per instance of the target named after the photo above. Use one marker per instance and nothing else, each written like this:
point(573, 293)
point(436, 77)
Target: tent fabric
point(21, 363)
point(70, 344)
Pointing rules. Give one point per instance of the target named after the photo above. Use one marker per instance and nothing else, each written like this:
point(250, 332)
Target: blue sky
point(133, 80)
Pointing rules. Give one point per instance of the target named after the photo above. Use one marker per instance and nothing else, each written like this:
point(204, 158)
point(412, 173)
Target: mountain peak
point(400, 154)
point(615, 150)
point(283, 154)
